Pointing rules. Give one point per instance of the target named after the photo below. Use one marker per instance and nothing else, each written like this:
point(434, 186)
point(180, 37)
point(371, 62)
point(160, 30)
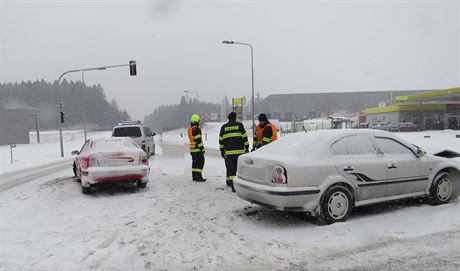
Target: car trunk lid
point(117, 158)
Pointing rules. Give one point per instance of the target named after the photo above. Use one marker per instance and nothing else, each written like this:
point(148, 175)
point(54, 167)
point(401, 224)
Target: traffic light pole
point(132, 70)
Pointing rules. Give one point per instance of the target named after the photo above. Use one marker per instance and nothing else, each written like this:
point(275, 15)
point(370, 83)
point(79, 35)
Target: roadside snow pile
point(47, 151)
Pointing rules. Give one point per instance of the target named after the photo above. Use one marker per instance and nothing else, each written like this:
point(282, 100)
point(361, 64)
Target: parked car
point(379, 126)
point(327, 173)
point(108, 161)
point(138, 132)
point(403, 127)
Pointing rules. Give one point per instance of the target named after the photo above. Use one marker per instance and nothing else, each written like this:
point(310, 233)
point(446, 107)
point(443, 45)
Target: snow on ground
point(176, 224)
point(47, 151)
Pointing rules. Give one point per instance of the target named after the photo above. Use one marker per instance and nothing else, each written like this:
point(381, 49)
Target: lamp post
point(132, 71)
point(252, 76)
point(84, 102)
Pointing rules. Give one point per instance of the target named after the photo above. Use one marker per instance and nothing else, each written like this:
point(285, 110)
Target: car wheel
point(336, 204)
point(442, 189)
point(74, 167)
point(86, 190)
point(141, 184)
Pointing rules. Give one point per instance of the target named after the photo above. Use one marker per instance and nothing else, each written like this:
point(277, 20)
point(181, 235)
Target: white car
point(140, 133)
point(108, 161)
point(329, 172)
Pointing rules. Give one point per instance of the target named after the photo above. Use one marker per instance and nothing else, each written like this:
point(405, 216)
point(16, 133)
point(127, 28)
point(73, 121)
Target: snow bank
point(47, 151)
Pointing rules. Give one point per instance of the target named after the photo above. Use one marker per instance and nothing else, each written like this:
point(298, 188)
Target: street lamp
point(252, 77)
point(132, 71)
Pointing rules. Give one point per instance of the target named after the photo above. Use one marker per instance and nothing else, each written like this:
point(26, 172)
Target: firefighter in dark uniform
point(233, 142)
point(266, 133)
point(196, 148)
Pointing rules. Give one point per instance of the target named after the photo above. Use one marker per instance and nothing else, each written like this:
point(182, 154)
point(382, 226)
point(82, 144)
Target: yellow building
point(430, 110)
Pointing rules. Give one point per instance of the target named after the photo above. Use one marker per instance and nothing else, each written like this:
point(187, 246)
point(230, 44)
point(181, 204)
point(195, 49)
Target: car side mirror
point(419, 153)
point(74, 153)
point(154, 134)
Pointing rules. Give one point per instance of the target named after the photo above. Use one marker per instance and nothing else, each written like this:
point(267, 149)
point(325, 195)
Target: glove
point(246, 150)
point(253, 148)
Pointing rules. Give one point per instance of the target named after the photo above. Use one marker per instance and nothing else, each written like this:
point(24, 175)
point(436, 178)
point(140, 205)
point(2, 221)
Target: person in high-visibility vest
point(196, 148)
point(266, 132)
point(233, 142)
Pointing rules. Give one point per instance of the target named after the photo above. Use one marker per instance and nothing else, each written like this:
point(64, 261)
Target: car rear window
point(299, 144)
point(101, 145)
point(127, 132)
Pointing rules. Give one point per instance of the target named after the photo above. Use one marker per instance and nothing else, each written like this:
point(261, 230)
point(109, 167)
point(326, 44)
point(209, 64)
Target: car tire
point(74, 167)
point(443, 188)
point(336, 204)
point(141, 184)
point(86, 190)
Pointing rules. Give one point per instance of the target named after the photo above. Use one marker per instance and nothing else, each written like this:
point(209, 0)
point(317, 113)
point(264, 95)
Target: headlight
point(279, 175)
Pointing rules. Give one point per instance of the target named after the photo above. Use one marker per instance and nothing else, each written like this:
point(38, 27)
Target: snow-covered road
point(176, 224)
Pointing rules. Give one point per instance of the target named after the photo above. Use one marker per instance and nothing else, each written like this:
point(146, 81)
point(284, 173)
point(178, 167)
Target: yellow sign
point(237, 104)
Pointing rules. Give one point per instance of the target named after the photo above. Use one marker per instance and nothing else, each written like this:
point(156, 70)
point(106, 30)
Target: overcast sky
point(299, 46)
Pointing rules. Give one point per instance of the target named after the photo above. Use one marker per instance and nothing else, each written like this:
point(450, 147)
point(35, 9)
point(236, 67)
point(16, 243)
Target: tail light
point(85, 162)
point(279, 175)
point(143, 145)
point(144, 160)
point(88, 161)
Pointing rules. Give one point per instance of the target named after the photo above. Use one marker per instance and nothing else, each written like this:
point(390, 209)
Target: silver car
point(327, 173)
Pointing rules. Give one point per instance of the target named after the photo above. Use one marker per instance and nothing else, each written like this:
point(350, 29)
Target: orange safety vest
point(274, 131)
point(260, 131)
point(191, 139)
point(258, 137)
point(194, 147)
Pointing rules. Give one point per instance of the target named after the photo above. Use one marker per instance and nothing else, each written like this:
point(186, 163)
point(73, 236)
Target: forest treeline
point(44, 95)
point(167, 117)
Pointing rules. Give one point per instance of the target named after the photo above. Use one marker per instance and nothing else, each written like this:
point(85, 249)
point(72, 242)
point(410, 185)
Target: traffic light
point(62, 116)
point(132, 68)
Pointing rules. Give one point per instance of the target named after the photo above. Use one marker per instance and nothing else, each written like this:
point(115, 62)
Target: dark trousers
point(197, 165)
point(231, 163)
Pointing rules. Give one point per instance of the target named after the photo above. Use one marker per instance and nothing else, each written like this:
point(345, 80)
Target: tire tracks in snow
point(13, 179)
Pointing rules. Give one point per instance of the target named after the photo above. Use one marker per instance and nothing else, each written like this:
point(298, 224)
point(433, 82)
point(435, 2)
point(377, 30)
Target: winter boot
point(200, 180)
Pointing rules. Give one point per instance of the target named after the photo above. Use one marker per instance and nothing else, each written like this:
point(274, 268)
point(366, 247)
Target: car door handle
point(348, 168)
point(392, 166)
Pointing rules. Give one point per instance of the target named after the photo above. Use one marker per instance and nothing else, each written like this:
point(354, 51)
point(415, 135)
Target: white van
point(138, 132)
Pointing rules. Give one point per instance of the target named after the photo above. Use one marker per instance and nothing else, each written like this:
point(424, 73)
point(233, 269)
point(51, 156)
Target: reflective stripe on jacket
point(194, 136)
point(233, 139)
point(265, 135)
point(270, 134)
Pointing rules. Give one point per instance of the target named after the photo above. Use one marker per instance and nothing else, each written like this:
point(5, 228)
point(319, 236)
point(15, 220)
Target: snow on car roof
point(302, 143)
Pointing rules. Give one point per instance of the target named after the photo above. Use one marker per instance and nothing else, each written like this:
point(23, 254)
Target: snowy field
point(176, 224)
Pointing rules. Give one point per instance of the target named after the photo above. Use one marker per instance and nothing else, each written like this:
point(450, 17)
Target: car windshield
point(127, 132)
point(299, 144)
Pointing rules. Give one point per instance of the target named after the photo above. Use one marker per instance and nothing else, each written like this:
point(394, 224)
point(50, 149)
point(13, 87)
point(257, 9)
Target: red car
point(108, 161)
